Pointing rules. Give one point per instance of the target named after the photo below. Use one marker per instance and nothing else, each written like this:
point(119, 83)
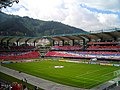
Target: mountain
point(12, 25)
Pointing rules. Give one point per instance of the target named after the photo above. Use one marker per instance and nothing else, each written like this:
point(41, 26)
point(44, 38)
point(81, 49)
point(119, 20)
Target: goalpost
point(117, 73)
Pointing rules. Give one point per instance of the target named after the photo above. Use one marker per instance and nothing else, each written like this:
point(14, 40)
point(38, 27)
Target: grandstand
point(102, 46)
point(11, 49)
point(98, 48)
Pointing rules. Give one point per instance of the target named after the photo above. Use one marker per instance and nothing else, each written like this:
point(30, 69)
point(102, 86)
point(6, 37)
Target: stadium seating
point(59, 54)
point(103, 43)
point(16, 48)
point(85, 54)
point(19, 55)
point(18, 52)
point(21, 48)
point(78, 47)
point(103, 48)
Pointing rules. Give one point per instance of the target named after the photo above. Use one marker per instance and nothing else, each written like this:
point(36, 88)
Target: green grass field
point(73, 74)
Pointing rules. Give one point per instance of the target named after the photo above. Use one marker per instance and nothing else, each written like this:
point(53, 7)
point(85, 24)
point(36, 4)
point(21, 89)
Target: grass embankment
point(10, 79)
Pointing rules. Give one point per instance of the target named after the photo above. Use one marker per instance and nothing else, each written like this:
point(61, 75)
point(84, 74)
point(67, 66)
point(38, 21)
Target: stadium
point(77, 61)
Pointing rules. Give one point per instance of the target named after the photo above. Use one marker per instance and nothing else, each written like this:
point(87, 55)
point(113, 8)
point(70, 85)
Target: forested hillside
point(12, 25)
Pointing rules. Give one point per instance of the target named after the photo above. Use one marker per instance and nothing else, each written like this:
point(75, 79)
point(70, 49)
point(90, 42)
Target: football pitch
point(72, 74)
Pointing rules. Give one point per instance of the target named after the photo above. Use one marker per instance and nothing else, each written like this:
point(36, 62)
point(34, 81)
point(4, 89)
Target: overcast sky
point(89, 15)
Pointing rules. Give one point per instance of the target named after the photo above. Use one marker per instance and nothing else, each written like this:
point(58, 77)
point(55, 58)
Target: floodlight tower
point(9, 3)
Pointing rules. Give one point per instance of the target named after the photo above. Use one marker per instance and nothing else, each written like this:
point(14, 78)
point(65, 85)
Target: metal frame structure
point(101, 35)
point(113, 35)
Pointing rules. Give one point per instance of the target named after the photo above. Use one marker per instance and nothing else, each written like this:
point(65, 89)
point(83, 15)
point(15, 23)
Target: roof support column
point(18, 41)
point(84, 42)
point(2, 41)
point(34, 43)
point(8, 41)
point(58, 43)
point(26, 42)
point(53, 43)
point(62, 42)
point(73, 42)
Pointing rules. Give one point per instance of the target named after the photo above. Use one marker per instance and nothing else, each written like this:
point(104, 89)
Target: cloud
point(109, 19)
point(111, 5)
point(70, 12)
point(99, 10)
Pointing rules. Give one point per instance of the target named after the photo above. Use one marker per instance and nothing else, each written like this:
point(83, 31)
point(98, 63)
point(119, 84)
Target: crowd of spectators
point(76, 47)
point(85, 54)
point(15, 86)
point(106, 50)
point(19, 55)
point(11, 86)
point(17, 48)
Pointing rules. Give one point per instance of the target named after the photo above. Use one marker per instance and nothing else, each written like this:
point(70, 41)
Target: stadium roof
point(113, 35)
point(19, 38)
point(104, 34)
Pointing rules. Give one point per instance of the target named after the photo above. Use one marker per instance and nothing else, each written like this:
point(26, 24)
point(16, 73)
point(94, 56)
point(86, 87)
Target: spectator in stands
point(19, 87)
point(25, 80)
point(25, 87)
point(1, 88)
point(36, 88)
